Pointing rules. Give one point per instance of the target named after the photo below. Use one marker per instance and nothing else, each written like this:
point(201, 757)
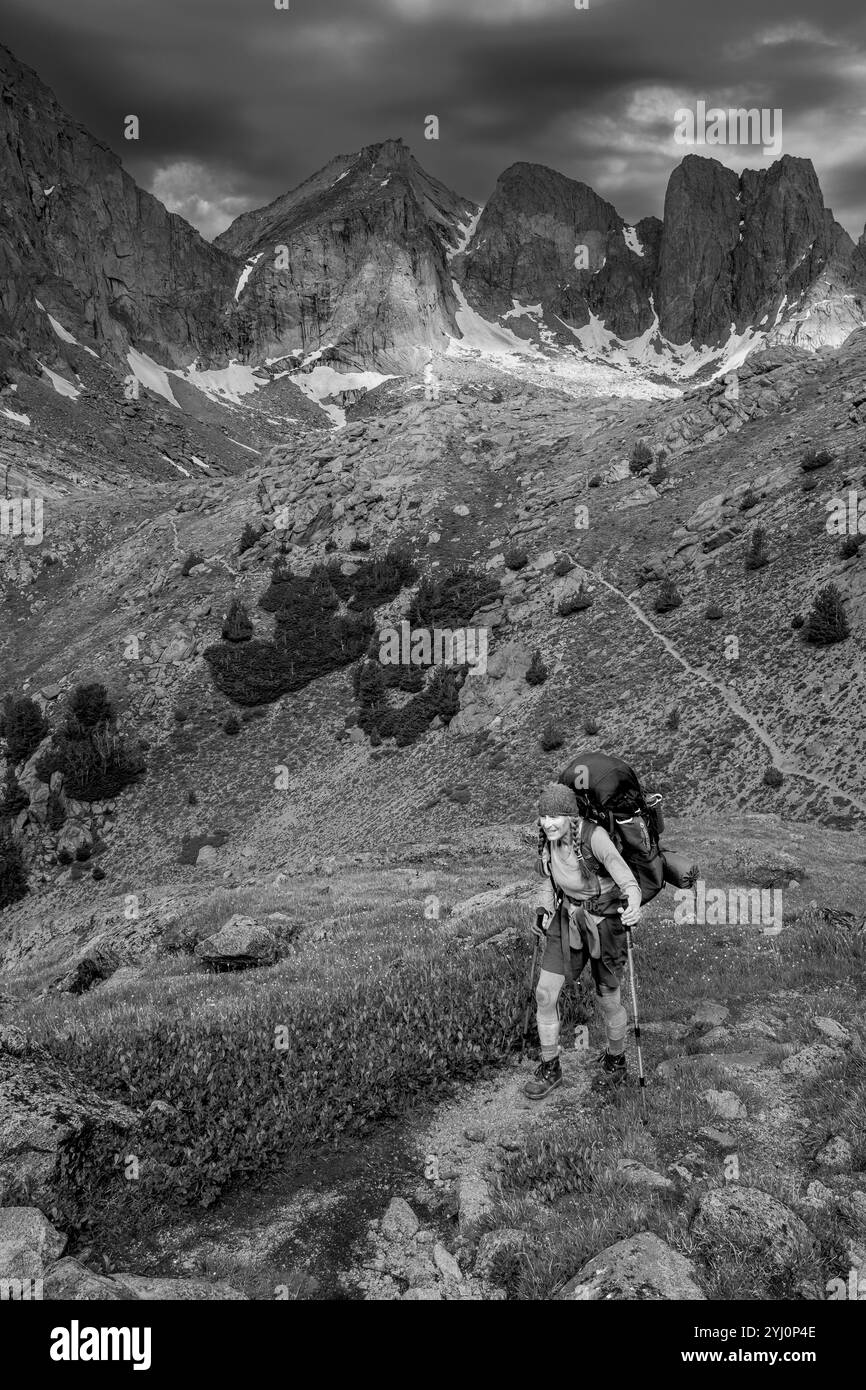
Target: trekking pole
point(539, 918)
point(640, 1071)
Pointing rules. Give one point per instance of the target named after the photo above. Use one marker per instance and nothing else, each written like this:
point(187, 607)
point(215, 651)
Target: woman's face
point(555, 827)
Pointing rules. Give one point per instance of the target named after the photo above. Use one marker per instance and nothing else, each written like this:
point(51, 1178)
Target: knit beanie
point(557, 800)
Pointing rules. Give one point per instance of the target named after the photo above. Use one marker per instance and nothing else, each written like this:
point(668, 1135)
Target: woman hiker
point(580, 865)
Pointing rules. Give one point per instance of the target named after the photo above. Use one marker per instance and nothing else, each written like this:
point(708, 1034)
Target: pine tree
point(668, 597)
point(238, 625)
point(756, 550)
point(827, 622)
point(537, 673)
point(13, 875)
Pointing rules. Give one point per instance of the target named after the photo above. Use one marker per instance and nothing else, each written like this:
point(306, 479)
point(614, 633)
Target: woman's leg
point(547, 1013)
point(614, 1017)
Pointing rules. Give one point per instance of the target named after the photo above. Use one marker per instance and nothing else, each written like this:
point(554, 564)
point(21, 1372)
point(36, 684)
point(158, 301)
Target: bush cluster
point(360, 1050)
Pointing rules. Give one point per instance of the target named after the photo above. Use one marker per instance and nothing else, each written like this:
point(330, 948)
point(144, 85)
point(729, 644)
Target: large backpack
point(610, 794)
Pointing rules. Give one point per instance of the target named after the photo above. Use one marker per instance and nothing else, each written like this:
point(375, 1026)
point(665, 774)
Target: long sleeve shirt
point(570, 878)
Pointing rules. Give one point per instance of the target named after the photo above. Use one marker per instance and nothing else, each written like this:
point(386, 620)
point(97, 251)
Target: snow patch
point(49, 191)
point(246, 273)
point(321, 383)
point(63, 333)
point(151, 375)
point(478, 333)
point(60, 384)
point(222, 384)
point(179, 466)
point(465, 233)
point(14, 415)
point(632, 242)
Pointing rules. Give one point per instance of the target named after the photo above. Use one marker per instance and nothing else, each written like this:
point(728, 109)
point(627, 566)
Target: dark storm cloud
point(239, 101)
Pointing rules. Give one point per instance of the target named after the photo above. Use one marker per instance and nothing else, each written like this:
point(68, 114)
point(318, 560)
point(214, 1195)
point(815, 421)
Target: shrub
point(595, 480)
point(714, 612)
point(24, 728)
point(850, 547)
point(773, 777)
point(249, 535)
point(552, 737)
point(88, 706)
point(814, 459)
point(668, 597)
point(311, 639)
point(797, 620)
point(232, 725)
point(14, 798)
point(563, 566)
point(538, 672)
point(515, 558)
point(749, 499)
point(96, 766)
point(756, 556)
point(376, 581)
point(193, 558)
point(237, 624)
point(450, 601)
point(641, 457)
point(674, 720)
point(181, 714)
point(827, 621)
point(359, 546)
point(574, 603)
point(658, 475)
point(363, 1046)
point(13, 875)
point(810, 484)
point(591, 726)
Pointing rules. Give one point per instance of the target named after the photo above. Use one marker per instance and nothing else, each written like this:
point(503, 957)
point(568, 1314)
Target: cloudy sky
point(239, 101)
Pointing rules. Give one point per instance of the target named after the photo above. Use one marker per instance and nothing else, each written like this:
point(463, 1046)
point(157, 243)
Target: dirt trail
point(781, 760)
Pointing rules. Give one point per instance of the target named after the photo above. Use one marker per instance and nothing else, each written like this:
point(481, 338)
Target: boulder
point(72, 1281)
point(642, 1268)
point(726, 1104)
point(69, 1281)
point(239, 944)
point(753, 1222)
point(399, 1221)
point(28, 1242)
point(710, 1012)
point(837, 1154)
point(811, 1061)
point(74, 839)
point(638, 1175)
point(43, 1118)
point(145, 1287)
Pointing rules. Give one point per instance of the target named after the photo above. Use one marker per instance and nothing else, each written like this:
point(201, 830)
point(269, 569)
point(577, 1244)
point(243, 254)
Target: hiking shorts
point(607, 969)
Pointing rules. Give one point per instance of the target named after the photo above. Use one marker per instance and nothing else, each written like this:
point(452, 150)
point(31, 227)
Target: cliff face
point(526, 247)
point(77, 233)
point(356, 258)
point(365, 261)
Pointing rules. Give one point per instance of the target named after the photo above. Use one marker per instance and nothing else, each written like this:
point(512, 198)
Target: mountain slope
point(364, 264)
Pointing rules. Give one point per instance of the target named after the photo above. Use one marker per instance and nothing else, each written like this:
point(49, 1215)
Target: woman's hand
point(631, 916)
point(540, 922)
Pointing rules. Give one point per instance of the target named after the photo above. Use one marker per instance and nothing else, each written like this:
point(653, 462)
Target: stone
point(69, 1280)
point(718, 1136)
point(28, 1242)
point(43, 1117)
point(429, 1294)
point(710, 1012)
point(399, 1222)
point(818, 1196)
point(638, 1175)
point(148, 1288)
point(475, 1134)
point(642, 1268)
point(831, 1029)
point(473, 1201)
point(810, 1061)
point(12, 1040)
point(837, 1154)
point(753, 1223)
point(726, 1104)
point(239, 944)
point(446, 1263)
point(206, 857)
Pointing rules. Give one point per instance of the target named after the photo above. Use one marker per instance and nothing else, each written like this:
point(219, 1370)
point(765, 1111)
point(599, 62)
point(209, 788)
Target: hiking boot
point(613, 1068)
point(547, 1077)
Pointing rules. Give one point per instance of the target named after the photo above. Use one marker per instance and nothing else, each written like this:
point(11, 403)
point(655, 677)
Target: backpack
point(609, 793)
